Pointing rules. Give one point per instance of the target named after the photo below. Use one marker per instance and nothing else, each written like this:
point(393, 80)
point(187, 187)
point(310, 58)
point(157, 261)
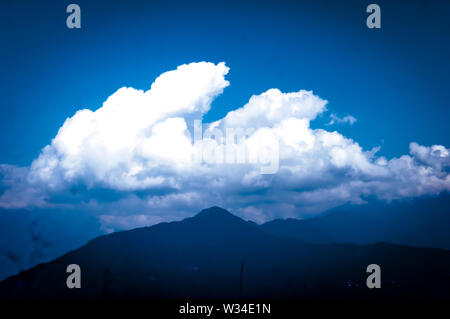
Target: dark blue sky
point(395, 81)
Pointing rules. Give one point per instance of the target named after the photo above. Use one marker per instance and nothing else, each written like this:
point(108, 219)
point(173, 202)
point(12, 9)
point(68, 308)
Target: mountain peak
point(215, 212)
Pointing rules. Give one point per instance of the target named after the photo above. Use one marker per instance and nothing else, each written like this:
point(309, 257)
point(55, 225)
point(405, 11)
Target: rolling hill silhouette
point(201, 257)
point(421, 222)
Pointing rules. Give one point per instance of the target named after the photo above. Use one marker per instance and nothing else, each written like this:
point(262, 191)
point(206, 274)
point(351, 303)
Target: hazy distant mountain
point(30, 237)
point(422, 222)
point(202, 257)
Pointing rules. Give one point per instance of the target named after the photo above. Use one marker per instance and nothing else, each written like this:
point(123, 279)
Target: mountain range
point(422, 222)
point(204, 256)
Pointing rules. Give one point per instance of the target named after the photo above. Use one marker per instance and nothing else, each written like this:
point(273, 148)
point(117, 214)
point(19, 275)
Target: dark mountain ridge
point(201, 257)
point(423, 222)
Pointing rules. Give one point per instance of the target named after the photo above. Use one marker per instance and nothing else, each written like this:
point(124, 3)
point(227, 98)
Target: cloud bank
point(134, 160)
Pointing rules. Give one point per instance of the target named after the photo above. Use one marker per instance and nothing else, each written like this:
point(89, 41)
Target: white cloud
point(121, 143)
point(334, 119)
point(273, 106)
point(139, 146)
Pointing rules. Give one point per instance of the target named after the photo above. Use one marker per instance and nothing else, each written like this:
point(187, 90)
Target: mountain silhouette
point(422, 222)
point(202, 256)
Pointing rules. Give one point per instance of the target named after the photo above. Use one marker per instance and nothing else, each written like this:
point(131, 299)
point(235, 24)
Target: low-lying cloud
point(135, 159)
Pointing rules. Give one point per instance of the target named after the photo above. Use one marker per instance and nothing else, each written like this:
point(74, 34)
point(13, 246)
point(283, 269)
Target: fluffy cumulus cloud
point(145, 157)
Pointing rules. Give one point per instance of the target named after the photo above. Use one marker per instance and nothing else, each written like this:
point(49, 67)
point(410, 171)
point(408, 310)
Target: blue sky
point(394, 80)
